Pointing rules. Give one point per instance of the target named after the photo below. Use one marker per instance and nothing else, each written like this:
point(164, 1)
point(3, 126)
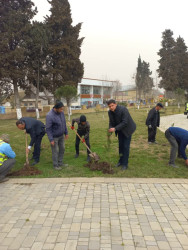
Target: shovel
point(26, 153)
point(93, 155)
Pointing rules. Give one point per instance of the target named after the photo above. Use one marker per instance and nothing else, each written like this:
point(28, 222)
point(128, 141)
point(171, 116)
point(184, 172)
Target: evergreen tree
point(138, 79)
point(63, 63)
point(167, 63)
point(37, 44)
point(182, 63)
point(144, 82)
point(15, 16)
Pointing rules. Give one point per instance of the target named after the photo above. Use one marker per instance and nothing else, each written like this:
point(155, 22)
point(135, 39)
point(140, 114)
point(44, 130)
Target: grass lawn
point(145, 160)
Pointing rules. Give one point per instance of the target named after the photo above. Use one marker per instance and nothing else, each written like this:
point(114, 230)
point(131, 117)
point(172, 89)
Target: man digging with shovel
point(83, 130)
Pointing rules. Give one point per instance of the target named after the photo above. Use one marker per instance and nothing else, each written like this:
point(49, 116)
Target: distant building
point(94, 91)
point(126, 93)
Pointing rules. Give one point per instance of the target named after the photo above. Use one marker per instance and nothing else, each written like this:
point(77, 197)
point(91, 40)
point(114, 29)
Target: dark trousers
point(78, 142)
point(124, 146)
point(6, 167)
point(151, 134)
point(37, 147)
point(174, 146)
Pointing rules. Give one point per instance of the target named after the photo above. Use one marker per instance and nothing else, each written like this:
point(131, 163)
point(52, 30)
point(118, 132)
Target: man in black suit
point(121, 122)
point(153, 121)
point(36, 129)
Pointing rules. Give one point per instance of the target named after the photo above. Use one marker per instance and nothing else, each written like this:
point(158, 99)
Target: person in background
point(178, 139)
point(121, 122)
point(7, 156)
point(36, 129)
point(153, 121)
point(56, 130)
point(83, 130)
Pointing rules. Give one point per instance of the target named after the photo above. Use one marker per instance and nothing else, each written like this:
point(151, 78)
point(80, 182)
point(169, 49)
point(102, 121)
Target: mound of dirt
point(26, 171)
point(105, 167)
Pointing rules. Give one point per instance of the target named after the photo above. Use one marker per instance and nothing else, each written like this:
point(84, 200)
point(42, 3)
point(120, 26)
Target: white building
point(94, 91)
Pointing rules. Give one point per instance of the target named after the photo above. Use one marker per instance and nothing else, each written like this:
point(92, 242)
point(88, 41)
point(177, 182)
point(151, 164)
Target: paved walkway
point(179, 120)
point(93, 214)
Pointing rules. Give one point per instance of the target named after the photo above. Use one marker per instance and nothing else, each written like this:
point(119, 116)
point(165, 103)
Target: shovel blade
point(94, 156)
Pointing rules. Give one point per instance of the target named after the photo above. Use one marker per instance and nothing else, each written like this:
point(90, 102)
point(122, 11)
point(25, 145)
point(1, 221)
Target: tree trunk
point(17, 100)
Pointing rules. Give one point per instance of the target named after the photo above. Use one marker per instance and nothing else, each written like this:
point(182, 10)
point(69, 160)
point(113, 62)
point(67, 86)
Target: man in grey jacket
point(56, 130)
point(121, 122)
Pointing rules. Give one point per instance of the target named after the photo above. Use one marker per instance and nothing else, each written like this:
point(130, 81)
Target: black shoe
point(124, 167)
point(88, 158)
point(34, 163)
point(76, 155)
point(118, 164)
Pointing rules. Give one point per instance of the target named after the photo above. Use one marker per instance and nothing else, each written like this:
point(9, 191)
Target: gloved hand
point(149, 126)
point(72, 127)
point(83, 140)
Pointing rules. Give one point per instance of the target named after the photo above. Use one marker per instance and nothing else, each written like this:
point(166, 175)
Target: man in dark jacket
point(56, 130)
point(36, 129)
point(123, 125)
point(83, 130)
point(178, 138)
point(153, 121)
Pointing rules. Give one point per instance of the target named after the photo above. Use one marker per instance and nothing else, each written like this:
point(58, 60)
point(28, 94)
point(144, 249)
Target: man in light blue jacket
point(7, 156)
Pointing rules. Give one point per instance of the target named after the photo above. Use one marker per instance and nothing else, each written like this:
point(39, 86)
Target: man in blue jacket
point(121, 122)
point(7, 156)
point(56, 130)
point(36, 129)
point(178, 138)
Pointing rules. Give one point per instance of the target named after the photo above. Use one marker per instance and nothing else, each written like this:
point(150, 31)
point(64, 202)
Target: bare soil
point(105, 167)
point(26, 171)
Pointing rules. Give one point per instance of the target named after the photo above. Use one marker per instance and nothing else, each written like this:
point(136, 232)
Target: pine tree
point(138, 79)
point(63, 63)
point(144, 82)
point(167, 63)
point(182, 63)
point(15, 16)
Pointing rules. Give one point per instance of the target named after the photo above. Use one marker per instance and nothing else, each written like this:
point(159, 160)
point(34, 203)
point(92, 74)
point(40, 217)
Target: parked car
point(75, 107)
point(32, 109)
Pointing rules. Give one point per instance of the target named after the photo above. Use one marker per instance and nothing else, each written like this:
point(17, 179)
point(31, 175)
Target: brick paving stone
point(96, 213)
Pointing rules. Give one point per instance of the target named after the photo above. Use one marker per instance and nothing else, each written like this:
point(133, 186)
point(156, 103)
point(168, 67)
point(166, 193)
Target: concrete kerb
point(97, 180)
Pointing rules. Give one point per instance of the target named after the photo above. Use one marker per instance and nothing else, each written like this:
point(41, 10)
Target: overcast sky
point(116, 32)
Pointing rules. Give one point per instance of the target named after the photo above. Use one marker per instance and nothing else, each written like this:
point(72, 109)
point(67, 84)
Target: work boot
point(76, 155)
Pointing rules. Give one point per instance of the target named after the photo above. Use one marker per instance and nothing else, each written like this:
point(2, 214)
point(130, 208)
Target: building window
point(96, 90)
point(85, 90)
point(106, 91)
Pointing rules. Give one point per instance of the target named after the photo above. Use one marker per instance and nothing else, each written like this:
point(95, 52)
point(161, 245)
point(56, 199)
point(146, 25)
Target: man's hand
point(149, 126)
point(72, 127)
point(83, 140)
point(66, 137)
point(186, 162)
point(52, 143)
point(27, 150)
point(112, 130)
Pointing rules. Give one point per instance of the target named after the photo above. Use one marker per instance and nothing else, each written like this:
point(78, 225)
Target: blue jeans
point(124, 146)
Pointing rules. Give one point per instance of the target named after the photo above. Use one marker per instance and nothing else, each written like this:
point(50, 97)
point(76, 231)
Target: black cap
point(58, 105)
point(160, 105)
point(82, 118)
